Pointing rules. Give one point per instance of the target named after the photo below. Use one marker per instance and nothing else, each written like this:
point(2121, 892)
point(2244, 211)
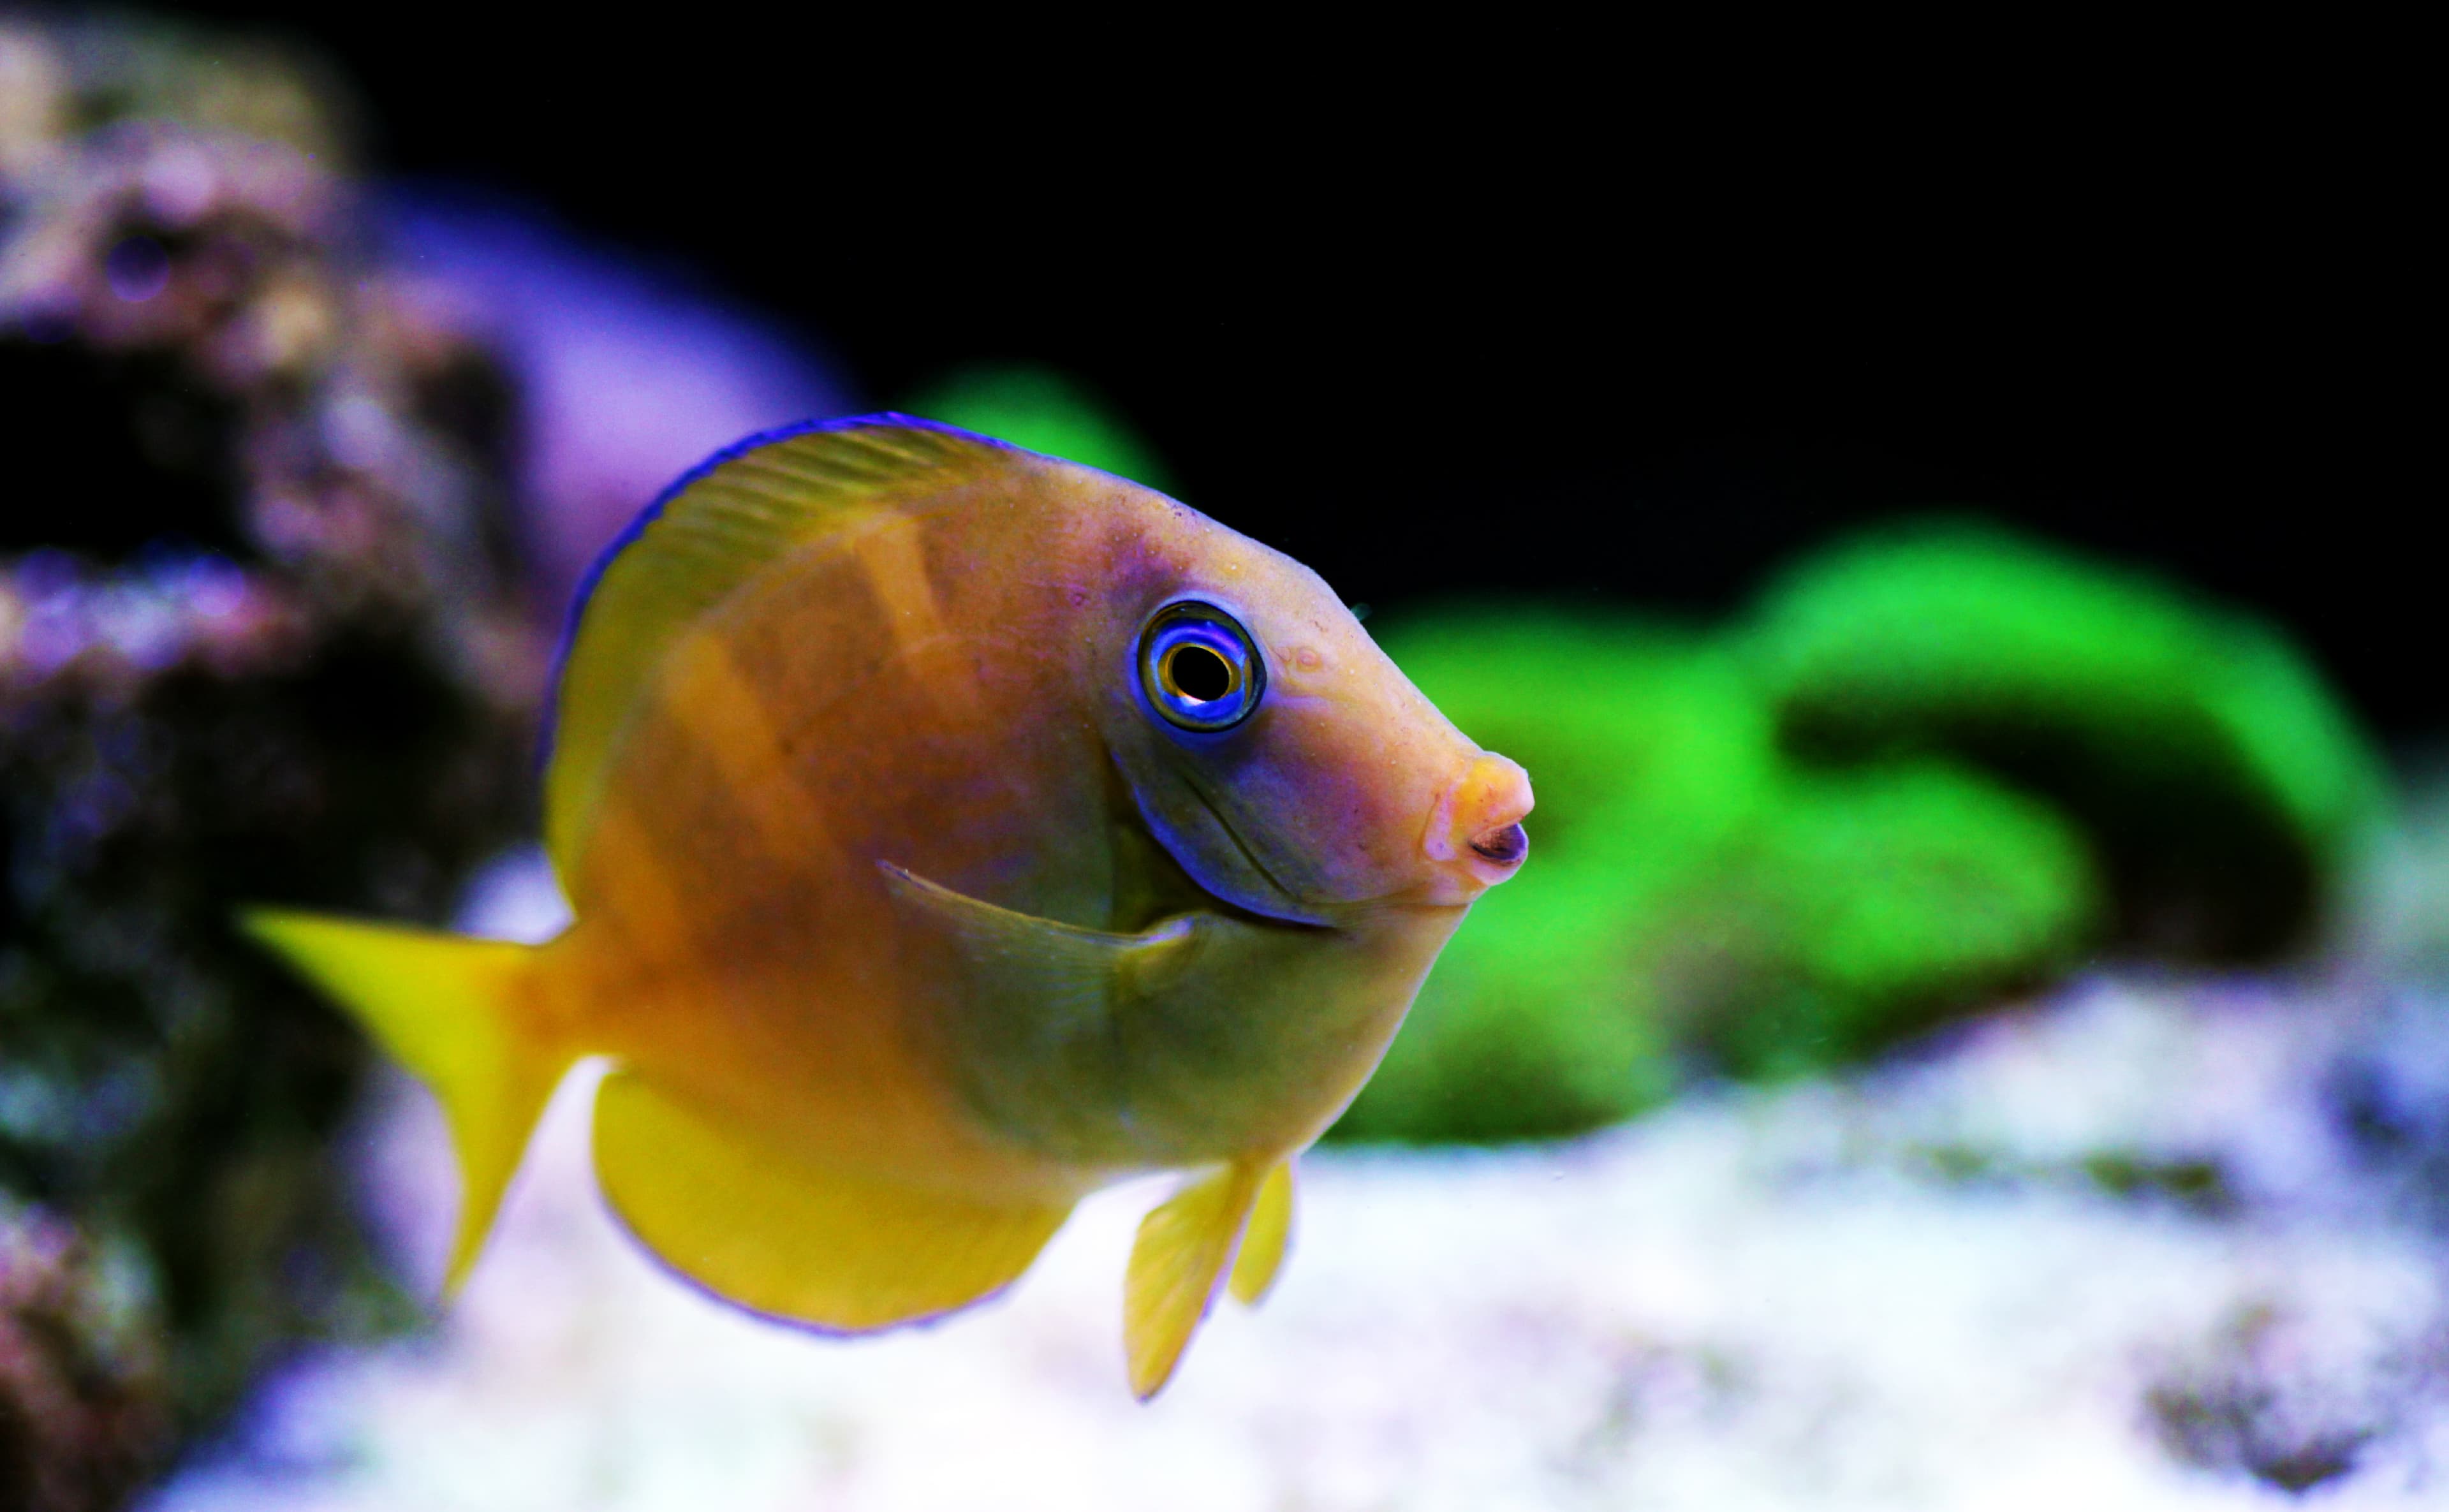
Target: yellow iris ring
point(1170, 674)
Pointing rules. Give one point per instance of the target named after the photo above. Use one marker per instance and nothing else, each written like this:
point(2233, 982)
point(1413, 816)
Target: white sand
point(1765, 1300)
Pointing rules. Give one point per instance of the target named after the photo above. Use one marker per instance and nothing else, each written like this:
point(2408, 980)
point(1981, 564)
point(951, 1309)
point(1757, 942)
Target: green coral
point(1646, 756)
point(2223, 785)
point(1858, 908)
point(1044, 410)
point(1934, 767)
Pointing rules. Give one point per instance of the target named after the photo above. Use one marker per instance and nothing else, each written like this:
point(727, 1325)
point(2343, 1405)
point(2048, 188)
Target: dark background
point(1530, 321)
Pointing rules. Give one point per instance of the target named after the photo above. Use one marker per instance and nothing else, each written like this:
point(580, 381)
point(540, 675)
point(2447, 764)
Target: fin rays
point(1185, 1247)
point(1264, 1242)
point(721, 526)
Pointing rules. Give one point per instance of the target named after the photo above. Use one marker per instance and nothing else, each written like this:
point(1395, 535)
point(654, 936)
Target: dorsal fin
point(737, 512)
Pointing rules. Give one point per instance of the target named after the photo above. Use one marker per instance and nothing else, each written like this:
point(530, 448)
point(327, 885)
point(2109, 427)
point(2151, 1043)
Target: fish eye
point(1200, 667)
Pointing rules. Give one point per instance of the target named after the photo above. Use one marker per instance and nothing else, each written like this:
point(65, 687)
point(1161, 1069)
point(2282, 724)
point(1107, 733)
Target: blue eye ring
point(1200, 669)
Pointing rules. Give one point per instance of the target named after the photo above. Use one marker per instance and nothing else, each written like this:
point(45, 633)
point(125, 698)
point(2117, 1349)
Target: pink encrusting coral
point(300, 477)
point(261, 636)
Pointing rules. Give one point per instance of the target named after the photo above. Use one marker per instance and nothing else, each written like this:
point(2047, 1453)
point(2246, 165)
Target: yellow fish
point(950, 831)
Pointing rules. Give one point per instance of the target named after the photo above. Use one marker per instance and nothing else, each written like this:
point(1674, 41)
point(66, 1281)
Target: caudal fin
point(462, 1015)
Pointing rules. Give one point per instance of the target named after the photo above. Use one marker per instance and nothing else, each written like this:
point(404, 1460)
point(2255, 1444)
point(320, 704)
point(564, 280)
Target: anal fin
point(793, 1241)
point(1178, 1263)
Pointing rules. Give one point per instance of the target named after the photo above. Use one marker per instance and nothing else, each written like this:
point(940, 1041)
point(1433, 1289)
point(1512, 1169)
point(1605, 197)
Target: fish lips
point(1474, 834)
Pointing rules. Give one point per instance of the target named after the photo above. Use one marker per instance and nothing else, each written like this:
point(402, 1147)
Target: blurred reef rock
point(264, 636)
point(628, 373)
point(82, 1408)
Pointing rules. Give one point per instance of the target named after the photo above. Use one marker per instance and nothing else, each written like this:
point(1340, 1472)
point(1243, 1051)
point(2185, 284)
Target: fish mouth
point(1504, 844)
point(1475, 837)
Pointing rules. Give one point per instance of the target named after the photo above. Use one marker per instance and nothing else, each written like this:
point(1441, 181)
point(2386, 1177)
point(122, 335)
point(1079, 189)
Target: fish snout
point(1475, 830)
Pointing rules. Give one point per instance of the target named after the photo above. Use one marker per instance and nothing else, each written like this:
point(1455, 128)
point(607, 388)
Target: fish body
point(950, 831)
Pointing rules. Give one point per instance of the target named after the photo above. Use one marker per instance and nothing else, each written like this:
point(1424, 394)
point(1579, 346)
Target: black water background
point(1532, 309)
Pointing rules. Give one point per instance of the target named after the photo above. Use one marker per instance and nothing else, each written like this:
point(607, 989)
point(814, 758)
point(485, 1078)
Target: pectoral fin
point(1177, 1265)
point(789, 1239)
point(1267, 1240)
point(1039, 1022)
point(1061, 960)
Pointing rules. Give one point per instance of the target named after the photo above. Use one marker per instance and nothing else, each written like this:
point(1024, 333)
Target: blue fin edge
point(880, 420)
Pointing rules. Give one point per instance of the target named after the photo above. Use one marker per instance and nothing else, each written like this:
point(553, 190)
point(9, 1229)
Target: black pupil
point(1201, 674)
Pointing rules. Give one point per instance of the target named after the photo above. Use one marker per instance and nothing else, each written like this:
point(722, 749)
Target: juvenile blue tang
point(950, 831)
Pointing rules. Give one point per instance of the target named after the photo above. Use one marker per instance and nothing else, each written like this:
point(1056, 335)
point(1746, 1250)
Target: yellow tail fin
point(461, 1014)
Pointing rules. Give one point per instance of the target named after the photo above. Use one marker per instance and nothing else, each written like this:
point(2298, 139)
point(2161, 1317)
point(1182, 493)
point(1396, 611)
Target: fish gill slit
point(1199, 791)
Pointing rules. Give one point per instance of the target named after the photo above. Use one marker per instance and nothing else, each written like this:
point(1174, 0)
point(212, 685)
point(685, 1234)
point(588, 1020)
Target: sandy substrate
point(2139, 1246)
